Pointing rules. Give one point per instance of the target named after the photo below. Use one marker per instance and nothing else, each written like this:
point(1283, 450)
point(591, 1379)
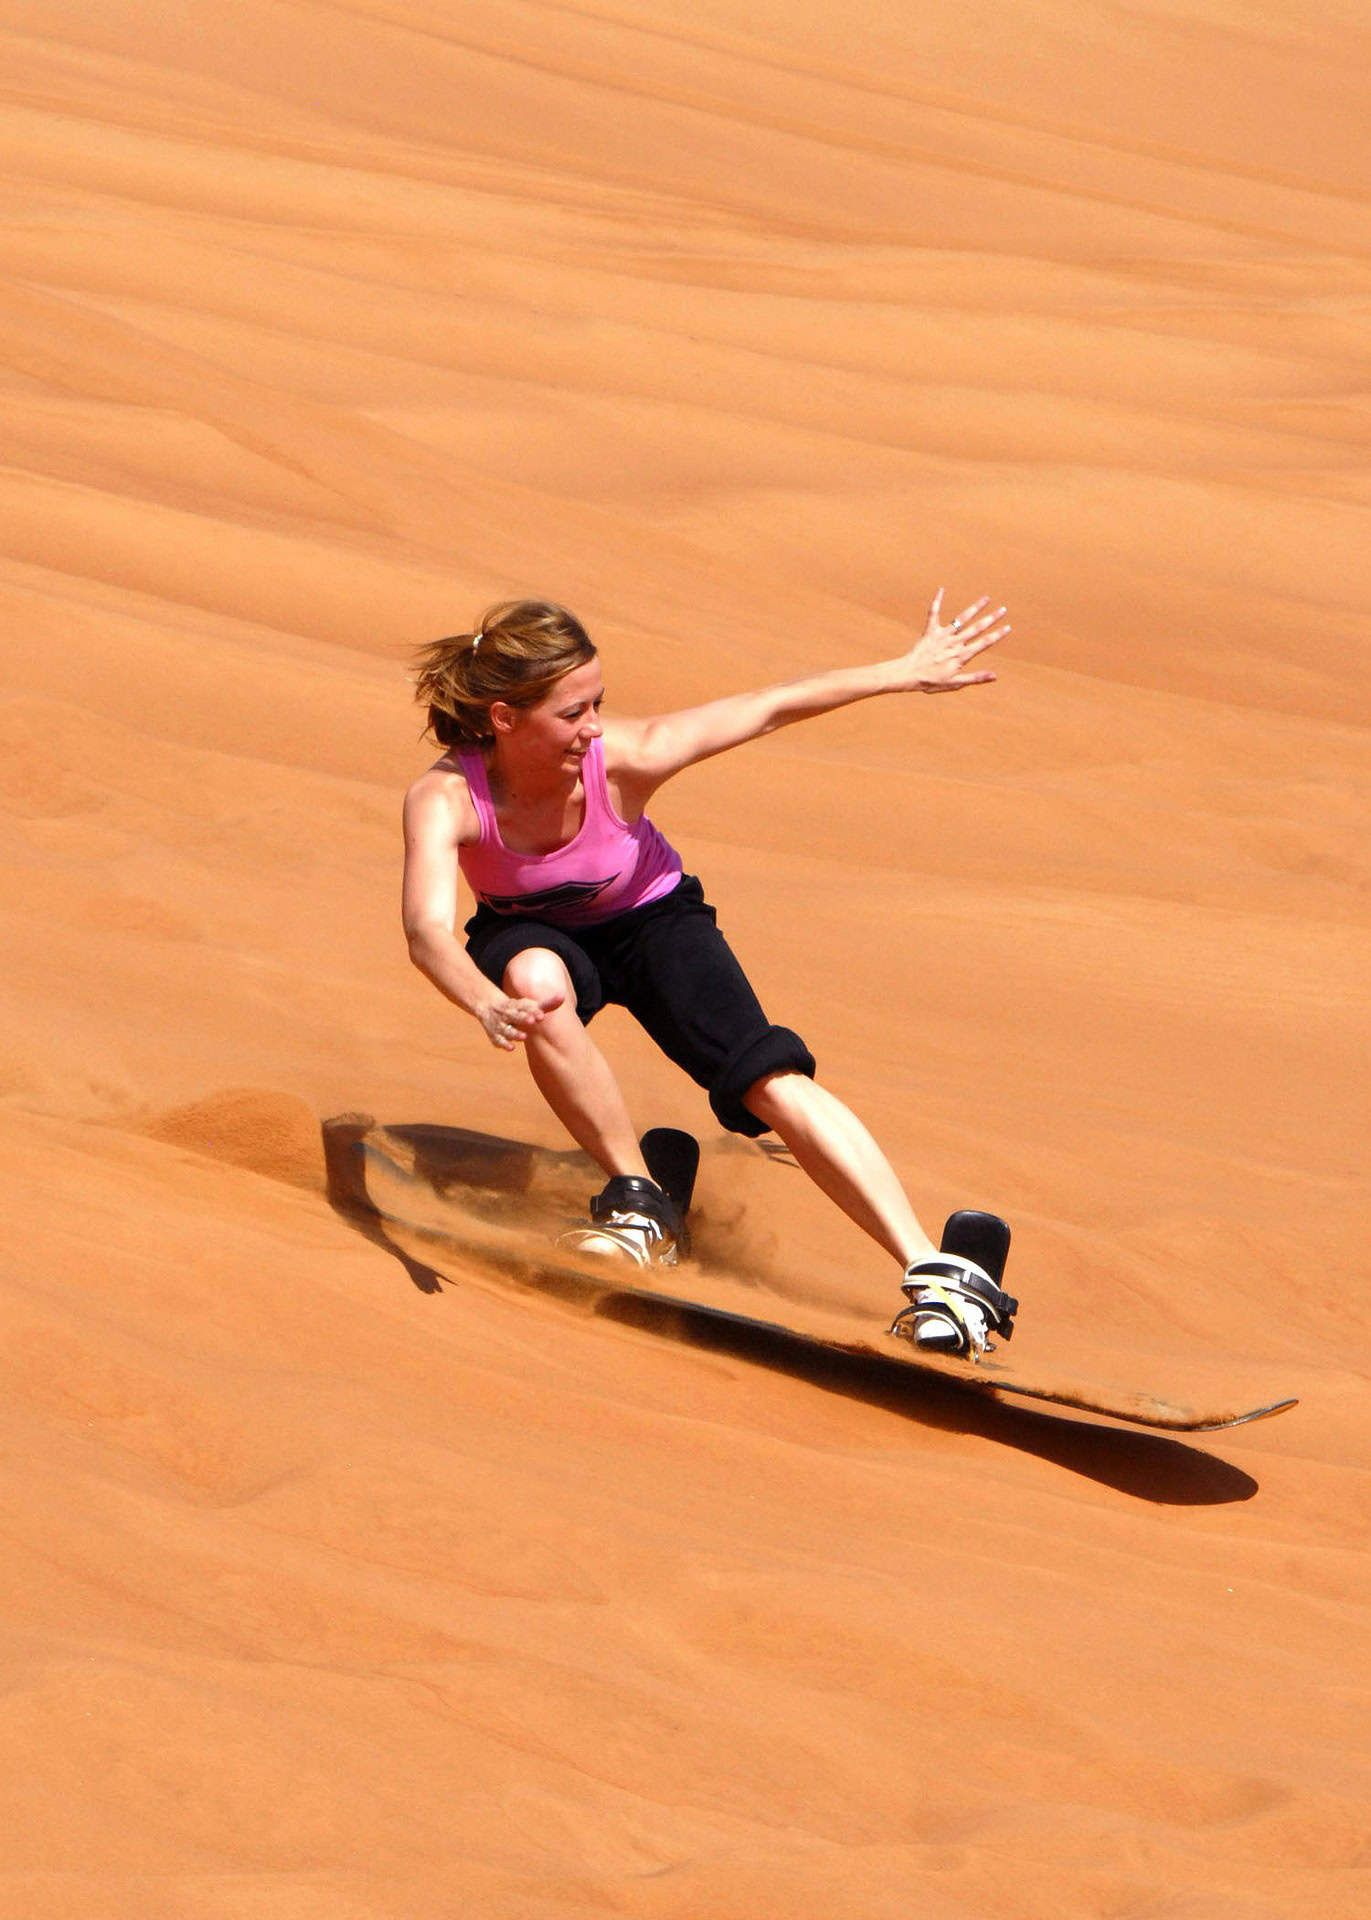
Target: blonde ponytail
point(515, 653)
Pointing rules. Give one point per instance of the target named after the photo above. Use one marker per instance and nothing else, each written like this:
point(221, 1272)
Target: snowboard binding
point(955, 1298)
point(643, 1221)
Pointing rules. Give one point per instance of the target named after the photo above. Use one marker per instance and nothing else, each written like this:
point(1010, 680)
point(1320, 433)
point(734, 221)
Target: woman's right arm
point(438, 819)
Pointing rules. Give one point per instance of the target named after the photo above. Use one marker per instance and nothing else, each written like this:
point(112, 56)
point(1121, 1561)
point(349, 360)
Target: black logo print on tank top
point(571, 893)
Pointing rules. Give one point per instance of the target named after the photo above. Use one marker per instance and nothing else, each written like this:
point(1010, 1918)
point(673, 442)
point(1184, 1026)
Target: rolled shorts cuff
point(778, 1050)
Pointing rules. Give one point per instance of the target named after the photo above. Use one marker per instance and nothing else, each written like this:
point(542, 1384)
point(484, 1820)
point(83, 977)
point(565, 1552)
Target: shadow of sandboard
point(501, 1203)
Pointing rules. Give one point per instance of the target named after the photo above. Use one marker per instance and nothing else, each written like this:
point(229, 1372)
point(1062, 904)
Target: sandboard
point(383, 1174)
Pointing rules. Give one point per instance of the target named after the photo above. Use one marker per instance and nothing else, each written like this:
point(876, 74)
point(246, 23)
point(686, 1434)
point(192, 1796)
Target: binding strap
point(631, 1193)
point(950, 1279)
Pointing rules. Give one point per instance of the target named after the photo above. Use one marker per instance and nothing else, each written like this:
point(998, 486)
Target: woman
point(539, 801)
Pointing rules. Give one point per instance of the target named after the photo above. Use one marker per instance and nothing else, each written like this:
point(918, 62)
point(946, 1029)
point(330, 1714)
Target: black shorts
point(670, 966)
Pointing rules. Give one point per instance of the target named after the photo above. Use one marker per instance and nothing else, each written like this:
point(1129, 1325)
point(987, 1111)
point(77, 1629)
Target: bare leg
point(840, 1156)
point(568, 1068)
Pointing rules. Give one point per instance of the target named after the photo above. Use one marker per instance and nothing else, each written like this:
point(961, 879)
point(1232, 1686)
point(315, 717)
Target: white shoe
point(954, 1306)
point(935, 1331)
point(632, 1220)
point(630, 1237)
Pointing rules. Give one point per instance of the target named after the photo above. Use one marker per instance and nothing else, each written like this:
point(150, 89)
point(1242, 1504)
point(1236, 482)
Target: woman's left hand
point(938, 660)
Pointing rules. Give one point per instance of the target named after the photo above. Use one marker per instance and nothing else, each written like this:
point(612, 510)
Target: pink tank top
point(605, 869)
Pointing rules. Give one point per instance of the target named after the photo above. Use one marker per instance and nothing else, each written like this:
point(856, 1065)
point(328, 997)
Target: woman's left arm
point(647, 752)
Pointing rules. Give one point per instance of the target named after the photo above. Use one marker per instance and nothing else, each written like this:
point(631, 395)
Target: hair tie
point(476, 642)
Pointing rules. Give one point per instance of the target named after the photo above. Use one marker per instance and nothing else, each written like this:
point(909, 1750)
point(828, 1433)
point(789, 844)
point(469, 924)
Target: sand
point(341, 1587)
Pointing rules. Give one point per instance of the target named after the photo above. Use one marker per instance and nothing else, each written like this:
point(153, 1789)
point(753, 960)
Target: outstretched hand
point(938, 660)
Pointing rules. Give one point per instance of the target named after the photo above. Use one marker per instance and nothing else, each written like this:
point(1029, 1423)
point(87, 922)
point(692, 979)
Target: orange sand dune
point(341, 1586)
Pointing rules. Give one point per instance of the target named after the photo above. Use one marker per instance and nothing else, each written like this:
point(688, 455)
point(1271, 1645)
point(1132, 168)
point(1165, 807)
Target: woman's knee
point(536, 974)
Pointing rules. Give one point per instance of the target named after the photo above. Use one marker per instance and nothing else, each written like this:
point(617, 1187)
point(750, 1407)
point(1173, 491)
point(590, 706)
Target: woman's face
point(558, 731)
